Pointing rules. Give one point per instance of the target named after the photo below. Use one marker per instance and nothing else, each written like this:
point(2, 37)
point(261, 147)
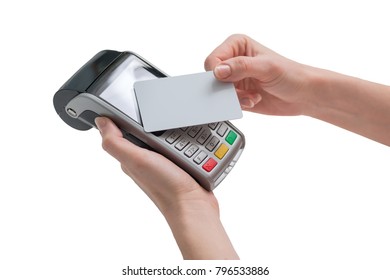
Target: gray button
point(213, 125)
point(203, 136)
point(200, 157)
point(222, 129)
point(191, 150)
point(228, 169)
point(194, 130)
point(173, 136)
point(182, 143)
point(212, 143)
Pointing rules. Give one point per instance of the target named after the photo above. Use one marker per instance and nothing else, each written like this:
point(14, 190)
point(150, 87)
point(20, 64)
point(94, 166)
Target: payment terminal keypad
point(206, 145)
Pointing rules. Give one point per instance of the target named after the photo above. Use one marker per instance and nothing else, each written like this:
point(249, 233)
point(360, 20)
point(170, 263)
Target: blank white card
point(187, 100)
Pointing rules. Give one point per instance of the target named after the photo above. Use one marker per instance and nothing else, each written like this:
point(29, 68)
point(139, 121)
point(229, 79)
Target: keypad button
point(191, 150)
point(213, 125)
point(231, 137)
point(182, 143)
point(228, 169)
point(221, 151)
point(212, 143)
point(204, 136)
point(209, 165)
point(222, 129)
point(194, 130)
point(200, 157)
point(173, 136)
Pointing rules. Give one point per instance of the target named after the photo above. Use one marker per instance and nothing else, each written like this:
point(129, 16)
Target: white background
point(307, 199)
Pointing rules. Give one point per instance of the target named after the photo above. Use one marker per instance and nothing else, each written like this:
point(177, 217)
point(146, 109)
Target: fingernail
point(247, 103)
point(257, 98)
point(222, 71)
point(100, 122)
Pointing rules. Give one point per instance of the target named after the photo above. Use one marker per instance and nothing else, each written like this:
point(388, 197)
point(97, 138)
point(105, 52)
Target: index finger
point(234, 45)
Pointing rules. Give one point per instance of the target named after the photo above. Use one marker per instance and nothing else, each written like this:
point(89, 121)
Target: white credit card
point(187, 100)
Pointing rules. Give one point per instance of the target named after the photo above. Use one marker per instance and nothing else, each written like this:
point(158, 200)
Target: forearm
point(199, 233)
point(357, 105)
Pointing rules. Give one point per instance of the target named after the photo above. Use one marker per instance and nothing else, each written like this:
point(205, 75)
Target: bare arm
point(357, 105)
point(199, 233)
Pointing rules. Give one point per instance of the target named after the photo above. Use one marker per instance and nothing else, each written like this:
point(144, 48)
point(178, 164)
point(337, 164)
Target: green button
point(231, 137)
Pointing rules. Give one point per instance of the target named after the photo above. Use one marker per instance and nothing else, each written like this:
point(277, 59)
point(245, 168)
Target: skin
point(191, 212)
point(266, 83)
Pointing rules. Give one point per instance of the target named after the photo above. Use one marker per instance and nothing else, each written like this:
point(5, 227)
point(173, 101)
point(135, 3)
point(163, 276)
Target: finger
point(234, 45)
point(263, 68)
point(248, 99)
point(211, 62)
point(237, 68)
point(113, 141)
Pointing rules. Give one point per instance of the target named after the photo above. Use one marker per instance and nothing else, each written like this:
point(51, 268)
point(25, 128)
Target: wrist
point(192, 206)
point(331, 95)
point(198, 230)
point(316, 92)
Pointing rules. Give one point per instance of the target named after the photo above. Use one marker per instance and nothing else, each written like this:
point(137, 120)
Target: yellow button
point(221, 152)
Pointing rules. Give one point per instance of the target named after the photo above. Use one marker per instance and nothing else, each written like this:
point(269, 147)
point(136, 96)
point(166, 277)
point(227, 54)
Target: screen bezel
point(114, 70)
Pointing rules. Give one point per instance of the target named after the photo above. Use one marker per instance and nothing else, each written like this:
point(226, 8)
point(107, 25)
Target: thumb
point(113, 141)
point(240, 67)
point(106, 127)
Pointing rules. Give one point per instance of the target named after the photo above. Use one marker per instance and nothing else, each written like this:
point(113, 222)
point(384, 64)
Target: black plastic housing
point(80, 82)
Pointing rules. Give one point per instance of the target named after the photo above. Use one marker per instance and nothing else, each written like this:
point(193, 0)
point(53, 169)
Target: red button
point(209, 165)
